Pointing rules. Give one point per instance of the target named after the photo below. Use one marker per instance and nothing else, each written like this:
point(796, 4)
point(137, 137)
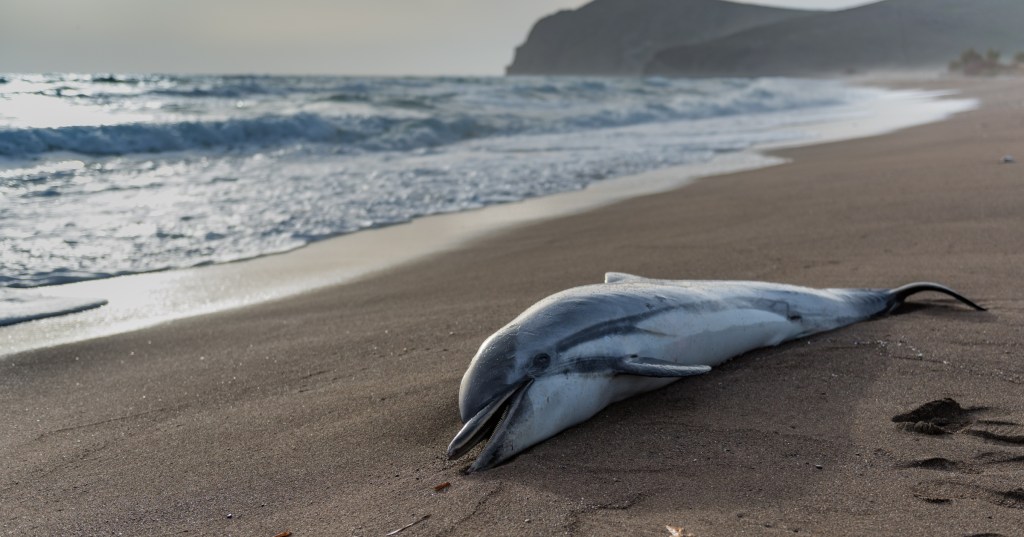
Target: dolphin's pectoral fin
point(653, 367)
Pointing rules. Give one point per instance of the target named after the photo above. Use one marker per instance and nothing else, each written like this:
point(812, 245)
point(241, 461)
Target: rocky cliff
point(620, 37)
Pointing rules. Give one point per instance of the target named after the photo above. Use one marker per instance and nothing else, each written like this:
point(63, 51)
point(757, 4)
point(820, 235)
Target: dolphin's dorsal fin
point(616, 277)
point(653, 367)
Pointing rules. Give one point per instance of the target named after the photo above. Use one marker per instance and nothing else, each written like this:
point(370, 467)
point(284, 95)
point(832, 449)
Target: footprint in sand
point(998, 431)
point(944, 491)
point(948, 417)
point(944, 416)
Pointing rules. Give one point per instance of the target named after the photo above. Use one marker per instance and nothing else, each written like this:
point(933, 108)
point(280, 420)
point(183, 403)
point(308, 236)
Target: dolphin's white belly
point(714, 337)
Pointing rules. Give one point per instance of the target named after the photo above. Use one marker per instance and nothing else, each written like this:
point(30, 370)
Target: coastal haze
point(268, 237)
point(349, 37)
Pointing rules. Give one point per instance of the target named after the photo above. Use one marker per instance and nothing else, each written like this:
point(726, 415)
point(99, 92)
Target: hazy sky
point(277, 36)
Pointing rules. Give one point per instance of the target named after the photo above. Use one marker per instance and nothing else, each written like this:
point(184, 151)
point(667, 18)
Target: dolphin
point(575, 352)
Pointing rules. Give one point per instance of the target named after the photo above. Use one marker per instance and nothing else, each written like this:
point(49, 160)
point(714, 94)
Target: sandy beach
point(329, 413)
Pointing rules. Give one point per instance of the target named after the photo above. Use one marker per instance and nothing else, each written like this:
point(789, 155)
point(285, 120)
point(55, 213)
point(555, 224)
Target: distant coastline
point(716, 38)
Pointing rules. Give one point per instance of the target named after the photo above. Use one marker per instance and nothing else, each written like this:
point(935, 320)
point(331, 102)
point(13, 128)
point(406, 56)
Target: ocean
point(109, 175)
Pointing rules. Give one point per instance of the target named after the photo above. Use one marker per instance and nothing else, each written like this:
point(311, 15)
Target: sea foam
point(116, 174)
point(18, 306)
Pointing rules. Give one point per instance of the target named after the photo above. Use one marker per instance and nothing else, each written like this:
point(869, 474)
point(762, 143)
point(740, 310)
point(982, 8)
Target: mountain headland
point(620, 37)
point(719, 38)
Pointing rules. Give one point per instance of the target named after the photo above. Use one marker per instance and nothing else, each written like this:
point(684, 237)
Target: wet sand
point(328, 413)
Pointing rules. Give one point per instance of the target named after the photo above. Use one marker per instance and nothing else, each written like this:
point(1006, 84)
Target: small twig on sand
point(407, 526)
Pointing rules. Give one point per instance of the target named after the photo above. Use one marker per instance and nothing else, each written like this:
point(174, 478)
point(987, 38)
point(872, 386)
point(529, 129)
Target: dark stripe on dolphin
point(627, 325)
point(620, 326)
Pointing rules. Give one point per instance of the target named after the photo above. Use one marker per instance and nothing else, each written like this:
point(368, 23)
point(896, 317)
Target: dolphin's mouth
point(484, 424)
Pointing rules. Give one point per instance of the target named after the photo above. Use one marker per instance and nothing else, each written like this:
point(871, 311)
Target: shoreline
point(328, 413)
point(142, 300)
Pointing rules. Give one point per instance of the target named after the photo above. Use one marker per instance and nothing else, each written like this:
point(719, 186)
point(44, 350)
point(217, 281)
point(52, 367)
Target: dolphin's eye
point(541, 361)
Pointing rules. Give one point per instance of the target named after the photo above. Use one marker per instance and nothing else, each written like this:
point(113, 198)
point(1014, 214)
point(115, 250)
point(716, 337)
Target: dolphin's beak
point(487, 422)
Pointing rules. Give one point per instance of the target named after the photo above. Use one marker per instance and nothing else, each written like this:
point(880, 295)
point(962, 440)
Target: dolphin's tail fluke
point(895, 297)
